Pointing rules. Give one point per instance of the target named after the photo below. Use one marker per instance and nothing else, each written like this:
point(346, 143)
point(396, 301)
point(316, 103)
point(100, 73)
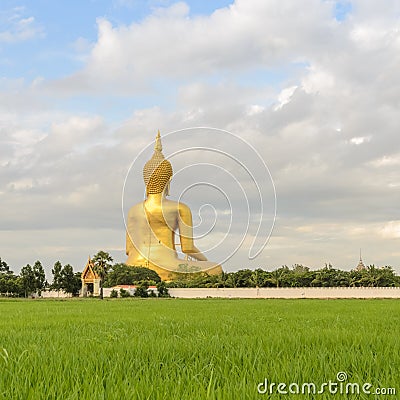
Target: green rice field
point(197, 349)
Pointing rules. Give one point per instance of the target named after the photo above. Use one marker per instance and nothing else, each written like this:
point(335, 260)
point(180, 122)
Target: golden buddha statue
point(151, 226)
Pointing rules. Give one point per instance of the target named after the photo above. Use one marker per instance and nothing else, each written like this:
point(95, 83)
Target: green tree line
point(32, 279)
point(296, 276)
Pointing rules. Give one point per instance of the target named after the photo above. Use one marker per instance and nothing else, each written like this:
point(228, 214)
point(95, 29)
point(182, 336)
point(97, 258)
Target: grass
point(194, 349)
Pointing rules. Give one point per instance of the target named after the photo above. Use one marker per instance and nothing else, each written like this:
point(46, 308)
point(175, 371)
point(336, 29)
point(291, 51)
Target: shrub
point(162, 289)
point(124, 293)
point(141, 290)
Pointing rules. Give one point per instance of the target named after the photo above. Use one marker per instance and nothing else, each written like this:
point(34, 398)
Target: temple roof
point(89, 271)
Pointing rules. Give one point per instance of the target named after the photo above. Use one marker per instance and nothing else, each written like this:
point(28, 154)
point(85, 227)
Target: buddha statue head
point(157, 172)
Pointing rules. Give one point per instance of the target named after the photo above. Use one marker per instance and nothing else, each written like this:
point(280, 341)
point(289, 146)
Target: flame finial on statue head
point(158, 145)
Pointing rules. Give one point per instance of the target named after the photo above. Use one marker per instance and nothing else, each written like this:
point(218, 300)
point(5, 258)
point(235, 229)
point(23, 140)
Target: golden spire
point(360, 265)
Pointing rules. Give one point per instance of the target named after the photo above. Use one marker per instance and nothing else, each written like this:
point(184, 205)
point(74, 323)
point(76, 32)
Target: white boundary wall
point(289, 293)
point(54, 294)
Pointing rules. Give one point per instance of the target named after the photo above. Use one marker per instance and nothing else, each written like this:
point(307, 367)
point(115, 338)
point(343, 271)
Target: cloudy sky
point(311, 88)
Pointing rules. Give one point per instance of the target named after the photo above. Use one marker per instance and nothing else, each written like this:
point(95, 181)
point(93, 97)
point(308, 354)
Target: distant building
point(360, 265)
point(90, 280)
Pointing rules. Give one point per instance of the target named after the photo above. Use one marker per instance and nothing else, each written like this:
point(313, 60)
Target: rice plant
point(195, 349)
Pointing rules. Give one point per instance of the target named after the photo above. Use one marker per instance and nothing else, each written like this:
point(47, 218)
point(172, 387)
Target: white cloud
point(21, 184)
point(254, 109)
point(18, 27)
point(285, 96)
point(371, 37)
point(170, 44)
point(67, 167)
point(391, 230)
point(72, 135)
point(318, 79)
point(360, 140)
point(386, 161)
point(81, 195)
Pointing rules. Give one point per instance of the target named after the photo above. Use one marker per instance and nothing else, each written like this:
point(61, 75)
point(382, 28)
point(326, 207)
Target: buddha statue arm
point(129, 244)
point(186, 234)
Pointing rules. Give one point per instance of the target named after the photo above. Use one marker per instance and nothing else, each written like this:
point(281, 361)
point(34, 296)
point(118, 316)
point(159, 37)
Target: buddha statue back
point(151, 226)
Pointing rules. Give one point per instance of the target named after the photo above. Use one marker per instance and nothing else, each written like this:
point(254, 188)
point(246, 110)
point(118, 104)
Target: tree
point(9, 283)
point(387, 277)
point(4, 267)
point(301, 276)
point(259, 277)
point(237, 279)
point(101, 262)
point(39, 277)
point(373, 276)
point(27, 280)
point(331, 277)
point(70, 281)
point(122, 274)
point(279, 276)
point(77, 283)
point(57, 277)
